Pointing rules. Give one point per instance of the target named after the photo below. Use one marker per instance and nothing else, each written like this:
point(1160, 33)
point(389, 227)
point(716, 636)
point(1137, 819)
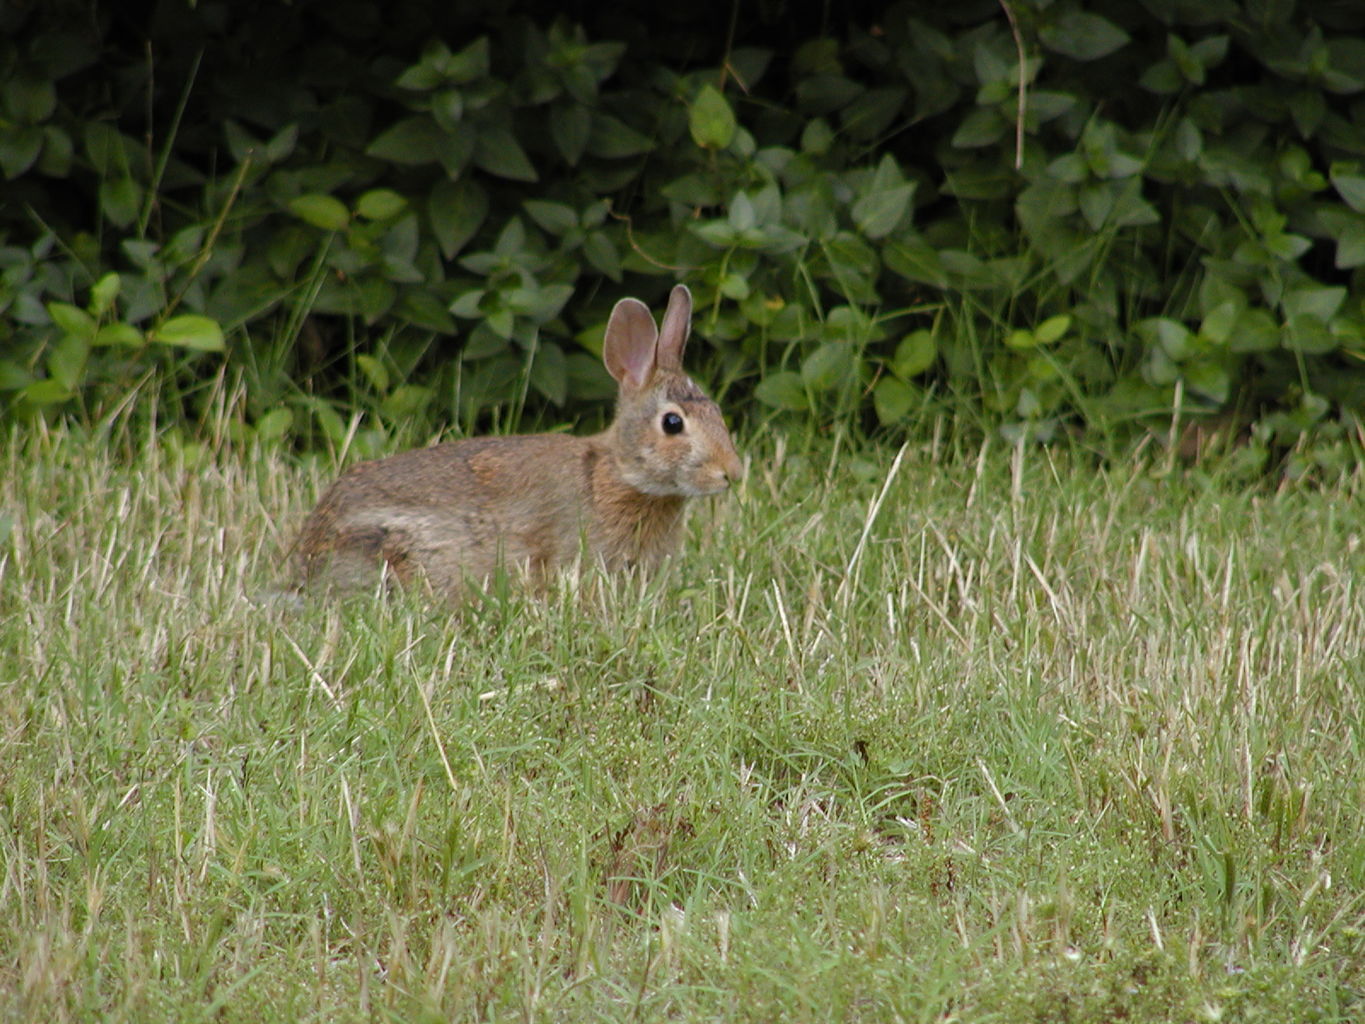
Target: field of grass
point(959, 736)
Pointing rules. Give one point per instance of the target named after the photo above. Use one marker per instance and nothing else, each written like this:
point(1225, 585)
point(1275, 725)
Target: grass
point(995, 736)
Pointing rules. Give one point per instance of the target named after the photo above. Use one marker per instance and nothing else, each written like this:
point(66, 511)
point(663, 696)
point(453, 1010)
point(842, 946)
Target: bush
point(1030, 213)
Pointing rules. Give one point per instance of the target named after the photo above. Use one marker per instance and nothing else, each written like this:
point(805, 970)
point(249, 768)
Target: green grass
point(996, 736)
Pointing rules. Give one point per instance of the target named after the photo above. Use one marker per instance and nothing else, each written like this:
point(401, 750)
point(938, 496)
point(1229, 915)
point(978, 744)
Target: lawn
point(937, 735)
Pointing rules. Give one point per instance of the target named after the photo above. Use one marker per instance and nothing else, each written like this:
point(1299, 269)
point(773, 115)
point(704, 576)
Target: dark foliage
point(427, 209)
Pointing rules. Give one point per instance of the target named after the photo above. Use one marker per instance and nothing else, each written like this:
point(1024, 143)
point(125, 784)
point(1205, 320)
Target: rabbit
point(453, 513)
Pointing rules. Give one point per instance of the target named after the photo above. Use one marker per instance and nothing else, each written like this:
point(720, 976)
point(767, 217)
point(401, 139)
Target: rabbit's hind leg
point(357, 555)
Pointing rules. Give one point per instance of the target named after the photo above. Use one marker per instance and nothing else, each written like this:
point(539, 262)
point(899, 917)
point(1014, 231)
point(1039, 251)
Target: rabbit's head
point(669, 438)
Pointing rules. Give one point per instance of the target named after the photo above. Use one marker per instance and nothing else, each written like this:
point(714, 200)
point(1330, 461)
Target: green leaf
point(119, 335)
point(742, 216)
point(1349, 182)
point(710, 119)
point(872, 113)
point(817, 137)
point(915, 354)
point(333, 426)
point(109, 151)
point(718, 233)
point(540, 304)
point(828, 366)
point(1220, 322)
point(556, 218)
point(1082, 36)
point(1256, 331)
point(1052, 329)
point(321, 211)
point(406, 401)
point(991, 60)
point(1071, 168)
point(282, 143)
point(456, 209)
point(1096, 202)
point(498, 152)
point(1173, 337)
point(850, 257)
point(413, 140)
point(511, 240)
point(880, 209)
point(380, 204)
point(72, 320)
point(986, 179)
point(602, 254)
point(470, 64)
point(120, 199)
point(426, 74)
point(826, 93)
point(1350, 249)
point(892, 399)
point(1210, 52)
point(613, 139)
point(46, 392)
point(1045, 105)
point(914, 259)
point(469, 305)
point(66, 361)
point(1308, 108)
point(19, 149)
point(783, 390)
point(588, 379)
point(58, 152)
point(1208, 378)
point(1322, 303)
point(1162, 78)
point(570, 127)
point(734, 286)
point(1118, 165)
point(375, 372)
point(1308, 334)
point(1130, 210)
point(29, 100)
point(1345, 63)
point(241, 143)
point(274, 424)
point(191, 331)
point(502, 322)
point(103, 293)
point(549, 374)
point(13, 376)
point(774, 238)
point(424, 308)
point(982, 127)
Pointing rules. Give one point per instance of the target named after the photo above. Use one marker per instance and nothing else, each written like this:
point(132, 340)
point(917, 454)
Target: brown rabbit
point(455, 511)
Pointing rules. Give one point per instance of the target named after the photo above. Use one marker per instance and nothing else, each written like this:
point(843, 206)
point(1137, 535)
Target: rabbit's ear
point(629, 346)
point(677, 325)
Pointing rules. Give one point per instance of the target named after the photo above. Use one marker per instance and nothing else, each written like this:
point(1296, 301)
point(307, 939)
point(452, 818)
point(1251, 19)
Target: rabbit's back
point(452, 511)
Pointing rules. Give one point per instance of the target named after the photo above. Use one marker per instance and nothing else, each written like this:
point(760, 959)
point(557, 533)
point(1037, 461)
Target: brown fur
point(454, 512)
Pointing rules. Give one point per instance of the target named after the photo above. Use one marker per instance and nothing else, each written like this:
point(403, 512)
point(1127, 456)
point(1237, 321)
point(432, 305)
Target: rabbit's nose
point(732, 467)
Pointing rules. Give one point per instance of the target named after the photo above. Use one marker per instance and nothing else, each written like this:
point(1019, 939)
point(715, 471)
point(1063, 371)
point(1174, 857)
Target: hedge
point(1036, 216)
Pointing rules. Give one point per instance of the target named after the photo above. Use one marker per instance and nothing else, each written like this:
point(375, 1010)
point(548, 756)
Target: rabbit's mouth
point(712, 479)
point(712, 482)
point(702, 489)
point(696, 485)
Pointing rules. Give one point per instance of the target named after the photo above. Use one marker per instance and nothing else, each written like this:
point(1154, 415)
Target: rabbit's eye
point(672, 423)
